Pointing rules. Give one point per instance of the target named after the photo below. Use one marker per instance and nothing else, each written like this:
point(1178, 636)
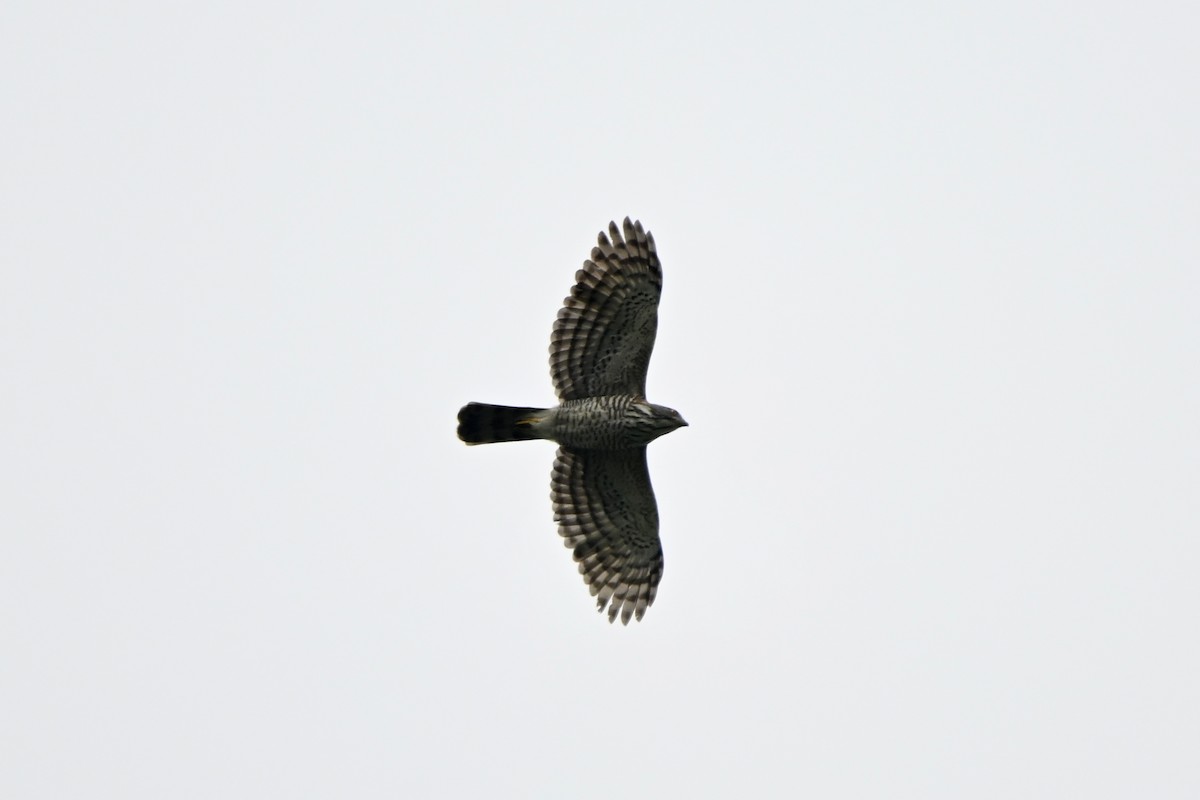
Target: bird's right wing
point(605, 509)
point(605, 331)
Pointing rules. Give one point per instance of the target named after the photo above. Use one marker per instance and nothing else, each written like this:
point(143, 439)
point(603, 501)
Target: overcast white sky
point(932, 280)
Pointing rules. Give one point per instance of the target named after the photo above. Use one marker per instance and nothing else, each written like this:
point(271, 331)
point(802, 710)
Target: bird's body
point(609, 422)
point(599, 353)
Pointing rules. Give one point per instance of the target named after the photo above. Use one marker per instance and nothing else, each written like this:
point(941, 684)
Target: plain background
point(931, 309)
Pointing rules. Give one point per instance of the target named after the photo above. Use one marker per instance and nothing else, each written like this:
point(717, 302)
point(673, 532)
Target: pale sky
point(931, 306)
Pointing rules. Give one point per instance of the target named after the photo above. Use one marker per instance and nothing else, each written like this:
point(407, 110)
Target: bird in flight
point(600, 487)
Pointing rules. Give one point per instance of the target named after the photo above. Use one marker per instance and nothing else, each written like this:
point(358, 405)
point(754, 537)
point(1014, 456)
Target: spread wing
point(605, 509)
point(604, 333)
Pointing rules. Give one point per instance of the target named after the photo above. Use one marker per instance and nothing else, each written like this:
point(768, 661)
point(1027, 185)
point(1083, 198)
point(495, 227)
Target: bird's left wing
point(605, 509)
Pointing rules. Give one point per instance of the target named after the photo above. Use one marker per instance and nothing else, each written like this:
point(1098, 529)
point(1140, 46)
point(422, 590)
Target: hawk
point(600, 486)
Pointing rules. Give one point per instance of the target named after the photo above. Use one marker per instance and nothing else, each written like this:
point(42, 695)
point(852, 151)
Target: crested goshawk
point(600, 487)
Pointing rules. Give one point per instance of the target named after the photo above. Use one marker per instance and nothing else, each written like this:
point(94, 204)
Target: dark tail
point(482, 423)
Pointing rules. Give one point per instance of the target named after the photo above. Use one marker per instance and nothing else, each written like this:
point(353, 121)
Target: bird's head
point(656, 420)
